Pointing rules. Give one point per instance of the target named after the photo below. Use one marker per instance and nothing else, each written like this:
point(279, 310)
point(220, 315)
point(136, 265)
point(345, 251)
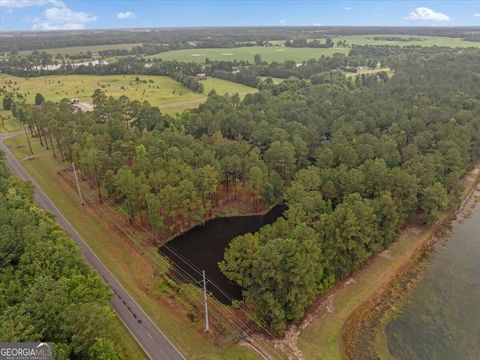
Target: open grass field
point(136, 267)
point(420, 41)
point(322, 339)
point(275, 80)
point(158, 90)
point(94, 49)
point(223, 86)
point(8, 123)
point(162, 91)
point(272, 53)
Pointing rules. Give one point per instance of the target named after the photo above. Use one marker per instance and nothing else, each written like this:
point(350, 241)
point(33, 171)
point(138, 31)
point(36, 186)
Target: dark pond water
point(442, 319)
point(203, 247)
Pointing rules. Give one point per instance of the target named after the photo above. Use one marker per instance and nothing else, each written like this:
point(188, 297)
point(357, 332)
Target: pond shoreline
point(202, 247)
point(217, 216)
point(363, 332)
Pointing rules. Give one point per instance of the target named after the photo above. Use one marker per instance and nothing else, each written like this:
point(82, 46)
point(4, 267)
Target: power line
point(237, 326)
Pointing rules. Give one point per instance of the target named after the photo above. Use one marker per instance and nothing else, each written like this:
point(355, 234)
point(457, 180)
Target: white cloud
point(18, 4)
point(426, 14)
point(126, 15)
point(57, 17)
point(283, 21)
point(476, 15)
point(61, 17)
point(348, 8)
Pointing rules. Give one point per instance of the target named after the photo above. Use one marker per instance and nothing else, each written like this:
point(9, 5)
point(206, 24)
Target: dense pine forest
point(47, 291)
point(355, 160)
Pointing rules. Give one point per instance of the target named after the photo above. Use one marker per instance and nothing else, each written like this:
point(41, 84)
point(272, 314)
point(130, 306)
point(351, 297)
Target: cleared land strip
point(143, 329)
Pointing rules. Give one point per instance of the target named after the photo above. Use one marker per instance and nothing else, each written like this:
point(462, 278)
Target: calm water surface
point(203, 247)
point(442, 320)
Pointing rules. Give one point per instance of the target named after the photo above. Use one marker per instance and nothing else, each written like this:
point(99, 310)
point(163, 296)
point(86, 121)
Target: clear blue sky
point(94, 14)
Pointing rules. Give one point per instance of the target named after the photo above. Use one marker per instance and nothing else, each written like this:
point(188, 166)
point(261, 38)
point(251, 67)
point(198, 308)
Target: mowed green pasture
point(420, 41)
point(8, 123)
point(275, 80)
point(272, 53)
point(94, 49)
point(223, 87)
point(161, 91)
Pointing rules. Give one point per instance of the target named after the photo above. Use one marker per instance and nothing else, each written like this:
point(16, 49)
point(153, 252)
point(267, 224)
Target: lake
point(442, 318)
point(202, 247)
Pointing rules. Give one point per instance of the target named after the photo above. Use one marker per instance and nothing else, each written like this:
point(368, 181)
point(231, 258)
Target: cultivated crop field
point(161, 91)
point(272, 53)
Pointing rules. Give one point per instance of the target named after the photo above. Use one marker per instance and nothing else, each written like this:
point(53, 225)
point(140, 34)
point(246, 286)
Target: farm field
point(94, 49)
point(421, 41)
point(161, 91)
point(272, 53)
point(137, 267)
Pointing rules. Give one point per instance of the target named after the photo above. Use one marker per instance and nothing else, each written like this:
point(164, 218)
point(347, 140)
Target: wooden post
point(78, 185)
point(207, 327)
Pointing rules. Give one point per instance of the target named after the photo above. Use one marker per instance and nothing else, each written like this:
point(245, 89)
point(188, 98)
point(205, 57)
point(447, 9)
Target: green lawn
point(224, 86)
point(275, 80)
point(94, 49)
point(9, 123)
point(138, 268)
point(272, 53)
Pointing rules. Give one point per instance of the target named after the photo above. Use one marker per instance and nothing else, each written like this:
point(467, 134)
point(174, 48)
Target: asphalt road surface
point(155, 344)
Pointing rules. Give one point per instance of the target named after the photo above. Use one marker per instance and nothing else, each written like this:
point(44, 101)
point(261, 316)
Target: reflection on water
point(203, 247)
point(442, 320)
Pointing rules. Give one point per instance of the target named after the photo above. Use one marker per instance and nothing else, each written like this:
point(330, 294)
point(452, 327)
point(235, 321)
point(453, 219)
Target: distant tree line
point(243, 76)
point(395, 38)
point(302, 43)
point(188, 81)
point(217, 37)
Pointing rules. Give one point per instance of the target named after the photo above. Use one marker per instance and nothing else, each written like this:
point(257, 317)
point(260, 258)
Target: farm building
point(201, 77)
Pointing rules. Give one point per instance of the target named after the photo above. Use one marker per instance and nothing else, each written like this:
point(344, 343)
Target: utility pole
point(78, 185)
point(207, 327)
point(28, 140)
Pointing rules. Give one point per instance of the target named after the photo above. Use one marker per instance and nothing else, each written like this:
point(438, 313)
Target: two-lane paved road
point(148, 335)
